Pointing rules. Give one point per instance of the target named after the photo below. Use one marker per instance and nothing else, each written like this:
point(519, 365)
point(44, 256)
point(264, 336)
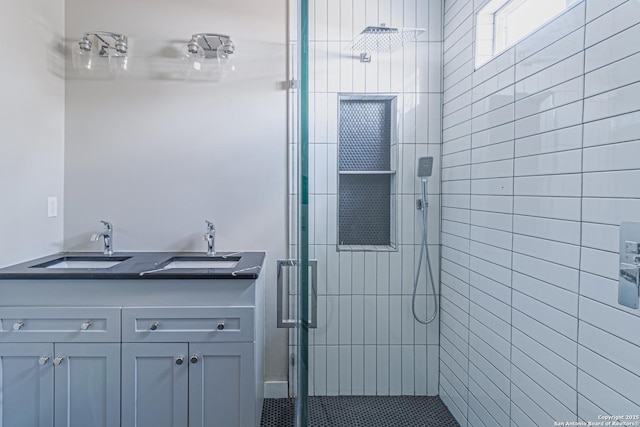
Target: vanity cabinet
point(143, 353)
point(53, 373)
point(187, 384)
point(196, 364)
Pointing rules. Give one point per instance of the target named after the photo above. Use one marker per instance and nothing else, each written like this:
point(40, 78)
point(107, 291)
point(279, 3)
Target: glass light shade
point(121, 46)
point(226, 49)
point(226, 63)
point(118, 63)
point(192, 56)
point(82, 59)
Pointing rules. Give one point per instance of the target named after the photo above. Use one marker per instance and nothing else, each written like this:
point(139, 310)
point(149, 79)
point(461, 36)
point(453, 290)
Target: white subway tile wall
point(367, 342)
point(539, 167)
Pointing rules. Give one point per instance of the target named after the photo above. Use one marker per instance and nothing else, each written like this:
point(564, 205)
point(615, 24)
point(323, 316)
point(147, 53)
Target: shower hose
point(424, 250)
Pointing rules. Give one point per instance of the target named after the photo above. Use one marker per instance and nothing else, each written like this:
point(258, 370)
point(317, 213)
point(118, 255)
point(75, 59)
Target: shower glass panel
point(301, 377)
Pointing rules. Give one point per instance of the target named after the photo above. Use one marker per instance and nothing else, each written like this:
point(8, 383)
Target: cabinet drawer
point(182, 324)
point(60, 324)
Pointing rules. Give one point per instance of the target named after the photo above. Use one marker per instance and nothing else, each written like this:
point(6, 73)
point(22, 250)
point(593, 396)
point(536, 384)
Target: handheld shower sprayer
point(425, 169)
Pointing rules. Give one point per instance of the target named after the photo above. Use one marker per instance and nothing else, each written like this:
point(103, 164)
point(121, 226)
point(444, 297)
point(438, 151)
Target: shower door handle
point(283, 293)
point(282, 322)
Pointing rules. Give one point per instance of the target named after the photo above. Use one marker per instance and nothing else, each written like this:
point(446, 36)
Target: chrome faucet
point(107, 235)
point(210, 238)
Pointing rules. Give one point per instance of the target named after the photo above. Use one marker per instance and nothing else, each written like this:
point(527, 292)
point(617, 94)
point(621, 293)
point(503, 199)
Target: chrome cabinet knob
point(58, 360)
point(194, 358)
point(85, 325)
point(43, 360)
point(17, 326)
point(220, 326)
point(154, 326)
point(179, 360)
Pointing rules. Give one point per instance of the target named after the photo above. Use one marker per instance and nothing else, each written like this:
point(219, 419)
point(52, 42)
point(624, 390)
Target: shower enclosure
point(358, 125)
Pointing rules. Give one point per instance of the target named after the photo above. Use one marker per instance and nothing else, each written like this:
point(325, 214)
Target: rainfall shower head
point(382, 39)
point(425, 167)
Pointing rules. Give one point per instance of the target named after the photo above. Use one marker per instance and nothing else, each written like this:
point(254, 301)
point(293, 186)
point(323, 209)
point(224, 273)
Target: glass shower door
point(303, 283)
point(297, 275)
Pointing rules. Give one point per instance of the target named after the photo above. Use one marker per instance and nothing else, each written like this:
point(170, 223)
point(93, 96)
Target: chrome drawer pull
point(85, 326)
point(43, 360)
point(17, 326)
point(154, 326)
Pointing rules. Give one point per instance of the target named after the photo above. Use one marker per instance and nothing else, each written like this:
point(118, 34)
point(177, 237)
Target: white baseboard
point(276, 389)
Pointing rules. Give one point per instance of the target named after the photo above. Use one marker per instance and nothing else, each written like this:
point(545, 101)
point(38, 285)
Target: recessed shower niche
point(367, 172)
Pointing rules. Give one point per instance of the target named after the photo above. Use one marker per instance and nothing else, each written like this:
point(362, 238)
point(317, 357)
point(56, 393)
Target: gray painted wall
point(31, 128)
point(157, 154)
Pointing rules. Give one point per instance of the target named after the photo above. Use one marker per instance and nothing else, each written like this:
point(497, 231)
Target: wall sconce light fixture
point(101, 46)
point(203, 46)
point(211, 45)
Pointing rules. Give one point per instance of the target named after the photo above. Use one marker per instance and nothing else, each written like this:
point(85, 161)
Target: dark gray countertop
point(137, 265)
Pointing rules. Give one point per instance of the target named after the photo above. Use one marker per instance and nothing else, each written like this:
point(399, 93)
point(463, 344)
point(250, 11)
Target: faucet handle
point(210, 226)
point(107, 225)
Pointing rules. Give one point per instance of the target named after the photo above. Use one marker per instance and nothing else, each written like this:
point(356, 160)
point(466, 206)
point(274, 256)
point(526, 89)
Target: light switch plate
point(52, 207)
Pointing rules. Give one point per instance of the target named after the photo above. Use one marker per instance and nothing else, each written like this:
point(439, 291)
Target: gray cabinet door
point(26, 381)
point(87, 385)
point(221, 386)
point(155, 384)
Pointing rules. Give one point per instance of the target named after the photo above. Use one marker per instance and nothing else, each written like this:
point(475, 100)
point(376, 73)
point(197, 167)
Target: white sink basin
point(84, 264)
point(82, 261)
point(205, 263)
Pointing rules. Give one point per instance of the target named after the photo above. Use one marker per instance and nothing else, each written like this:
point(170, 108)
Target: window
point(366, 172)
point(502, 23)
